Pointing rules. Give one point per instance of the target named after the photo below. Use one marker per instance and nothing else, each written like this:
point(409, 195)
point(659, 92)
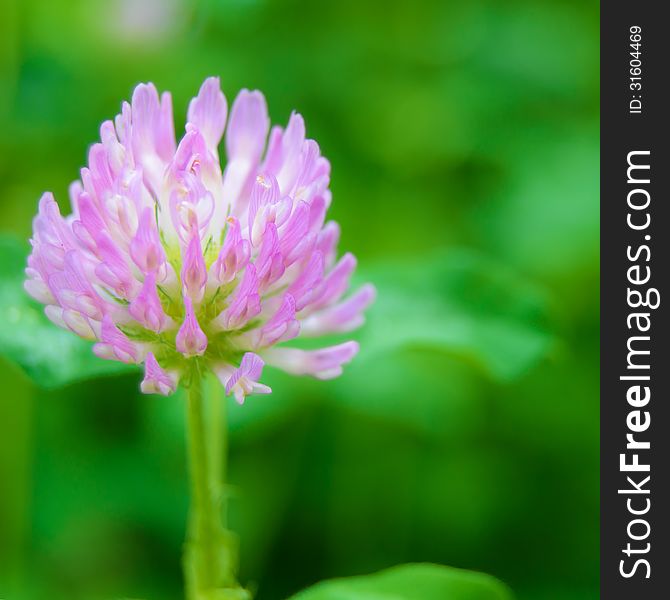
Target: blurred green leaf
point(461, 303)
point(559, 222)
point(410, 582)
point(50, 356)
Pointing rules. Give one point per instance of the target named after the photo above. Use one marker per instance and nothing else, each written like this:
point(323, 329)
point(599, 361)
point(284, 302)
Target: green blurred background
point(464, 143)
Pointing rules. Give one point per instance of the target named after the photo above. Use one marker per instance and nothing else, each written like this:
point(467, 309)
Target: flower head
point(170, 261)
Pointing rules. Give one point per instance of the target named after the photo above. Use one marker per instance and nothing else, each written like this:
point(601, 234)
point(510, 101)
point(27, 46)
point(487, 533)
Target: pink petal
point(208, 111)
point(166, 139)
point(317, 213)
point(90, 222)
point(245, 140)
point(116, 152)
point(55, 315)
point(264, 193)
point(251, 367)
point(113, 270)
point(79, 324)
point(244, 380)
point(156, 380)
point(191, 154)
point(281, 326)
point(152, 132)
point(146, 308)
point(335, 283)
point(193, 271)
point(234, 254)
point(340, 318)
point(315, 172)
point(114, 344)
point(248, 127)
point(302, 288)
point(284, 156)
point(73, 290)
point(269, 264)
point(37, 289)
point(191, 206)
point(100, 176)
point(51, 231)
point(121, 213)
point(294, 232)
point(245, 304)
point(146, 249)
point(191, 340)
point(327, 241)
point(325, 363)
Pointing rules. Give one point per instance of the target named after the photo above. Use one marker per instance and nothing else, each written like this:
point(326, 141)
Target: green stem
point(210, 553)
point(218, 444)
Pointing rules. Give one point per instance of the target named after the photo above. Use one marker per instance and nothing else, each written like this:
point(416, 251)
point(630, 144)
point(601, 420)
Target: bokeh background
point(464, 143)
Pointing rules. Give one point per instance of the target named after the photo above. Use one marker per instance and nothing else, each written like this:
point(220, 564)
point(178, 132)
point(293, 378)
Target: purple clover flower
point(170, 262)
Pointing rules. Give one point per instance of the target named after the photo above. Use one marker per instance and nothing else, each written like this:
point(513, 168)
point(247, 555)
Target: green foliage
point(50, 356)
point(461, 303)
point(463, 138)
point(410, 582)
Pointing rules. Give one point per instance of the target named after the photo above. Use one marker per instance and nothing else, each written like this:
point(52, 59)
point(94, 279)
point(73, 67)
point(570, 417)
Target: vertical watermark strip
point(635, 332)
